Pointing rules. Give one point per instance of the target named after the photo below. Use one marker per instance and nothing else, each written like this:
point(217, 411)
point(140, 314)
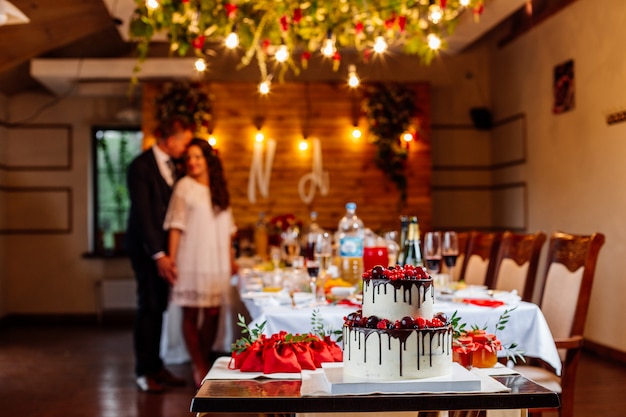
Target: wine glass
point(432, 252)
point(450, 251)
point(323, 255)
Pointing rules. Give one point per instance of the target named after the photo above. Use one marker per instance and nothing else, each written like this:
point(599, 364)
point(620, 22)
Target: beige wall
point(575, 168)
point(44, 271)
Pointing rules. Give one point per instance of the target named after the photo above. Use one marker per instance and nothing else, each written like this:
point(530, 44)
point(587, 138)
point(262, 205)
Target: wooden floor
point(87, 370)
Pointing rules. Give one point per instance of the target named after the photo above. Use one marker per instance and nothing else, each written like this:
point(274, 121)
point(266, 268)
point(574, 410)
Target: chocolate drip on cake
point(405, 286)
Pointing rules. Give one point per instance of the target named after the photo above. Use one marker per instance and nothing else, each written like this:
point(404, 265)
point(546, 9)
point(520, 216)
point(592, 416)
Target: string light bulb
point(282, 54)
point(407, 137)
point(434, 41)
point(232, 40)
point(435, 14)
point(464, 3)
point(303, 145)
point(212, 141)
point(152, 4)
point(353, 78)
point(380, 45)
point(259, 137)
point(328, 47)
point(356, 133)
point(200, 65)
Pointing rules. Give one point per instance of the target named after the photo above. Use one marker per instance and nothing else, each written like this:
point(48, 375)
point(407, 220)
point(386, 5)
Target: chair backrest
point(478, 262)
point(516, 263)
point(566, 289)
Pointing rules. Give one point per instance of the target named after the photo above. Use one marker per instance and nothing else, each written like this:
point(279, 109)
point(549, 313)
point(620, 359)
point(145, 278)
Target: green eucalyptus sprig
point(253, 334)
point(318, 329)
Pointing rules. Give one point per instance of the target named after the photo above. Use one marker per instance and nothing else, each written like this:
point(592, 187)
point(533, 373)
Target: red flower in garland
point(389, 22)
point(198, 42)
point(358, 28)
point(284, 23)
point(304, 59)
point(443, 3)
point(231, 9)
point(297, 15)
point(402, 23)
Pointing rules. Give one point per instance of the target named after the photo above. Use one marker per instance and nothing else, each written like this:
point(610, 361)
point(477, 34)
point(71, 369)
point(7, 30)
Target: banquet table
point(527, 326)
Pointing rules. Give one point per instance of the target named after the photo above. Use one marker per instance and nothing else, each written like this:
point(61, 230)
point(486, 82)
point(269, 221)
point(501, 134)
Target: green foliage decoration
point(390, 110)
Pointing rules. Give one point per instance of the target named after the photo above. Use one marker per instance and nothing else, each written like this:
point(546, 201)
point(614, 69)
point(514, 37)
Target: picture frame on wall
point(563, 87)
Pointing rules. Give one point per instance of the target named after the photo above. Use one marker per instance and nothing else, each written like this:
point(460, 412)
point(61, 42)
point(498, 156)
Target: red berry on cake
point(406, 322)
point(420, 322)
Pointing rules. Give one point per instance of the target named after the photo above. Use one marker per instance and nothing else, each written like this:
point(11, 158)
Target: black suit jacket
point(149, 197)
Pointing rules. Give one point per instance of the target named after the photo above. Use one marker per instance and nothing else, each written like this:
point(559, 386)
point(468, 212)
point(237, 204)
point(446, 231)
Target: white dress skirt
point(204, 252)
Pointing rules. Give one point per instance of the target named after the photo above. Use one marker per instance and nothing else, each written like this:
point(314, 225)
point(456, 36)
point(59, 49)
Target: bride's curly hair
point(220, 198)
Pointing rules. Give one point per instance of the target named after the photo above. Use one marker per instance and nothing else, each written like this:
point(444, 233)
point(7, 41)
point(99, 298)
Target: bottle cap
point(351, 206)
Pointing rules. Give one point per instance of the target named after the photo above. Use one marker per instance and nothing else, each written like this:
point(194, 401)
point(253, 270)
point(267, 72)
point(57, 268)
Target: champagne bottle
point(404, 230)
point(412, 253)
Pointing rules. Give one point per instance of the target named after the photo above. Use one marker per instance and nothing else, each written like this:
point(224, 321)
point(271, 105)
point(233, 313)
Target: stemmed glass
point(432, 251)
point(322, 254)
point(450, 251)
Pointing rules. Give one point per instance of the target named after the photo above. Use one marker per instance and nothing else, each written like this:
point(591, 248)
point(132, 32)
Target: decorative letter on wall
point(260, 173)
point(316, 178)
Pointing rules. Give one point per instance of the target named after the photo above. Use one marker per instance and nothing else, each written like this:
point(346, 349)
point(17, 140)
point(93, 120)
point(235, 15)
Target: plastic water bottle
point(351, 233)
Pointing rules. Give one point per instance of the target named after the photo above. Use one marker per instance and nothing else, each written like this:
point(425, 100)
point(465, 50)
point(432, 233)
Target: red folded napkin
point(483, 302)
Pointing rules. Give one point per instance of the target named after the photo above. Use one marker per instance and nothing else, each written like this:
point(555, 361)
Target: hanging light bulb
point(264, 86)
point(407, 137)
point(212, 141)
point(232, 40)
point(435, 14)
point(356, 133)
point(282, 54)
point(303, 145)
point(353, 78)
point(152, 4)
point(260, 137)
point(464, 3)
point(328, 47)
point(200, 65)
point(434, 41)
point(380, 45)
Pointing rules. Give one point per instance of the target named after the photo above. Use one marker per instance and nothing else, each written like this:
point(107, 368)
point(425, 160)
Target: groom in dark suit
point(150, 179)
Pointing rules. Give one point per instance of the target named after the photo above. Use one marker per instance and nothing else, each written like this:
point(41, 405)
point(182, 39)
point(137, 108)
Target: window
point(113, 149)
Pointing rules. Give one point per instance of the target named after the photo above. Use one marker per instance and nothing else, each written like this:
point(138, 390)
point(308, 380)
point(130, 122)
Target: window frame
point(98, 247)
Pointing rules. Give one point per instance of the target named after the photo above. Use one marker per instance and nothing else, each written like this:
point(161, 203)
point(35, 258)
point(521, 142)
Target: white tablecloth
point(527, 326)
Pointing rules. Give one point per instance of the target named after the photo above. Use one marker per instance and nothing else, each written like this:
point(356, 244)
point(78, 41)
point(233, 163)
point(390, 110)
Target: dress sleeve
point(176, 216)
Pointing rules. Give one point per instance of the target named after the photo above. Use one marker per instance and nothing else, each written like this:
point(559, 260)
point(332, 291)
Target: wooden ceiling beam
point(49, 28)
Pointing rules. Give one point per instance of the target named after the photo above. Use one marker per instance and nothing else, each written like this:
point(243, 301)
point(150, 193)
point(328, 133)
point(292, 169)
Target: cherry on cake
point(396, 336)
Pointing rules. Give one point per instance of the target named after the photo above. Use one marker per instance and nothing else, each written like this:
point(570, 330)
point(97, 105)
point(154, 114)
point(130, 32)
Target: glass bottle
point(261, 237)
point(412, 253)
point(351, 234)
point(404, 230)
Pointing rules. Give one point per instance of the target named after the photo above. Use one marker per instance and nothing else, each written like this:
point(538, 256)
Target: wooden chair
point(478, 263)
point(566, 290)
point(516, 263)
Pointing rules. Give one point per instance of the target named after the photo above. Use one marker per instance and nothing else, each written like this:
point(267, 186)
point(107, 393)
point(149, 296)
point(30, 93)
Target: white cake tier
point(393, 300)
point(397, 354)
